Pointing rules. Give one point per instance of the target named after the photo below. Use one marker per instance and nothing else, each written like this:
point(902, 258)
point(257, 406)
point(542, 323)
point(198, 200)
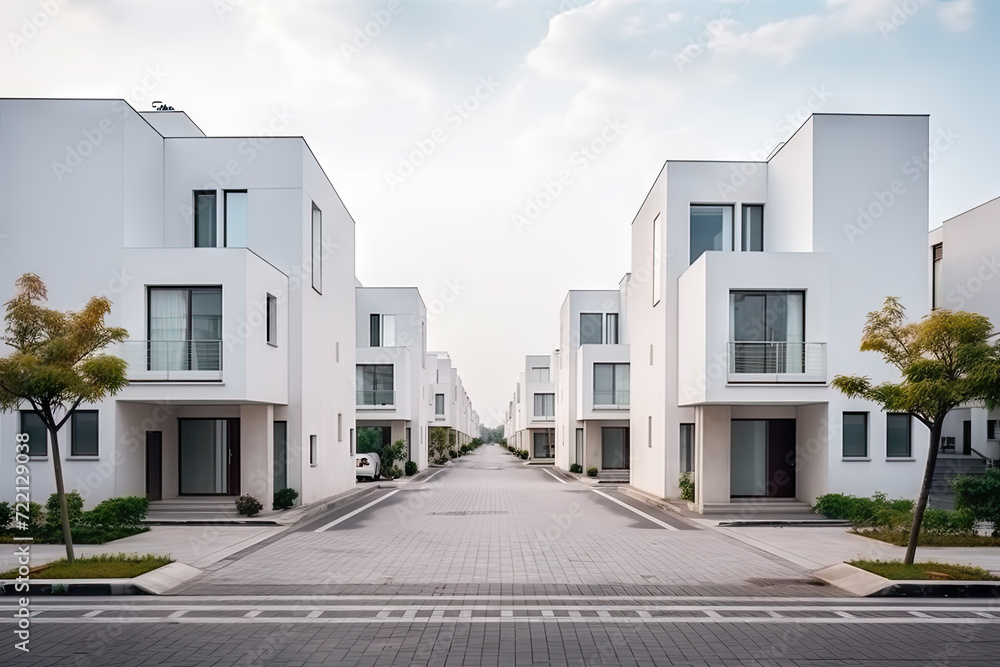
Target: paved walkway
point(488, 522)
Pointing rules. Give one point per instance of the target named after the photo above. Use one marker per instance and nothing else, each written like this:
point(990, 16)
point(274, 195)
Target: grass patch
point(102, 566)
point(894, 569)
point(901, 539)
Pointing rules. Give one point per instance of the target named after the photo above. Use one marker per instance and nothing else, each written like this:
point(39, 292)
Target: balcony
point(375, 398)
point(611, 400)
point(172, 360)
point(777, 362)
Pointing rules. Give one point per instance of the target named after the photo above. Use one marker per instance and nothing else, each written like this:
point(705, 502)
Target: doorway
point(762, 458)
point(614, 448)
point(209, 452)
point(154, 465)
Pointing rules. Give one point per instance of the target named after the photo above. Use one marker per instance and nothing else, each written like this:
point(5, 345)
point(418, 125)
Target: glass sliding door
point(748, 461)
point(208, 454)
point(614, 448)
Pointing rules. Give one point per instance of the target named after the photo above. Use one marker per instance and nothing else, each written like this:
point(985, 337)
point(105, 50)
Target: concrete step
point(614, 476)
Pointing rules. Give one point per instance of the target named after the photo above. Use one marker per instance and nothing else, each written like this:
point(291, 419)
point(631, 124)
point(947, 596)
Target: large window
point(539, 374)
point(753, 228)
point(236, 219)
point(768, 332)
point(317, 249)
point(375, 384)
point(382, 330)
point(937, 252)
point(205, 227)
point(855, 434)
point(611, 328)
point(185, 328)
point(34, 427)
point(611, 384)
point(84, 433)
point(897, 435)
point(590, 328)
point(657, 258)
point(541, 442)
point(439, 405)
point(545, 406)
point(711, 229)
point(687, 447)
point(272, 319)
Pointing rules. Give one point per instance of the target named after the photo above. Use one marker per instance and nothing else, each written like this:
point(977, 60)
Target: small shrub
point(452, 454)
point(284, 498)
point(53, 514)
point(128, 511)
point(410, 468)
point(943, 522)
point(247, 505)
point(980, 496)
point(576, 467)
point(874, 512)
point(524, 454)
point(686, 482)
point(6, 516)
point(591, 471)
point(440, 460)
point(396, 472)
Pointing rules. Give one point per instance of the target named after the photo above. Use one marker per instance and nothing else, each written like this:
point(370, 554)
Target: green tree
point(56, 365)
point(945, 360)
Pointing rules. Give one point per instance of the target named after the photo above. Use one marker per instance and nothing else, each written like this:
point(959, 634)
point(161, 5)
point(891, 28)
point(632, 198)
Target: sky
point(445, 125)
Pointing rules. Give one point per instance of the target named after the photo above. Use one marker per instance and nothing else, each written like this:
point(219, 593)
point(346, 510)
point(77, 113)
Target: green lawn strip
point(901, 538)
point(102, 566)
point(925, 571)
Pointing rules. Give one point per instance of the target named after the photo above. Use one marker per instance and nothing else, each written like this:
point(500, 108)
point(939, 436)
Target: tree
point(946, 360)
point(56, 365)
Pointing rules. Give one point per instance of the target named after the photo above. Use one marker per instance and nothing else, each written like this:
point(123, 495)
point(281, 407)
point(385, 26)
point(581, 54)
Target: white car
point(367, 465)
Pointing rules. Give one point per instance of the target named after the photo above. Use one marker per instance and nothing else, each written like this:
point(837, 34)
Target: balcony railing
point(777, 361)
point(172, 360)
point(606, 399)
point(543, 418)
point(380, 398)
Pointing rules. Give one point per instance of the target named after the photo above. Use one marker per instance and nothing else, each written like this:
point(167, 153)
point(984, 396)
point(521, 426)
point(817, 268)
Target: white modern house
point(454, 422)
point(534, 430)
point(593, 381)
point(750, 286)
point(229, 260)
point(392, 373)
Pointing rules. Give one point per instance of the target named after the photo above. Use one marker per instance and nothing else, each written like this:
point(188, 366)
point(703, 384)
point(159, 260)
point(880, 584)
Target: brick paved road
point(495, 563)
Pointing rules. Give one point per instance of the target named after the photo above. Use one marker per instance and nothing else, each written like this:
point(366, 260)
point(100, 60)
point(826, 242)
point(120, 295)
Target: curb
point(862, 583)
point(814, 523)
point(154, 582)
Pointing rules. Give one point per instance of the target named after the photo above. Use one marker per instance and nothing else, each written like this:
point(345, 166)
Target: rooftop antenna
point(161, 106)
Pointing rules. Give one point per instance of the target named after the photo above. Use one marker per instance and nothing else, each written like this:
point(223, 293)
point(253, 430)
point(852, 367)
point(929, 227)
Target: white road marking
point(555, 476)
point(92, 614)
point(357, 511)
point(659, 523)
point(984, 614)
point(844, 614)
point(315, 613)
point(424, 481)
point(920, 614)
point(253, 614)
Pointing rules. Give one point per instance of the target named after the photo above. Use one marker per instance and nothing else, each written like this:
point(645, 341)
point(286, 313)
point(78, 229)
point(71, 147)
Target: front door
point(614, 448)
point(762, 458)
point(209, 452)
point(154, 465)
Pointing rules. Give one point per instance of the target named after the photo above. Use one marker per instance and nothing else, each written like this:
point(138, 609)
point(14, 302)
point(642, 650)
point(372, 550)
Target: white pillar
point(712, 454)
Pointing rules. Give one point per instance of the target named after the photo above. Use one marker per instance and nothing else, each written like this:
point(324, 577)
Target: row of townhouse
point(253, 354)
point(748, 292)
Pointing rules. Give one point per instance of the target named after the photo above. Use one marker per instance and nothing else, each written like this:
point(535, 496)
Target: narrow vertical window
point(611, 328)
point(312, 450)
point(374, 330)
point(204, 219)
point(687, 447)
point(388, 331)
point(317, 249)
point(340, 427)
point(272, 319)
point(236, 219)
point(753, 228)
point(657, 258)
point(937, 291)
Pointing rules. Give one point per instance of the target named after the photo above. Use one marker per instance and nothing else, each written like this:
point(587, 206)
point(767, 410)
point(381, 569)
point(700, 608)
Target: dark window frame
point(600, 328)
point(867, 441)
point(75, 431)
point(746, 208)
point(214, 194)
point(32, 450)
point(909, 435)
point(316, 238)
point(534, 401)
point(685, 443)
point(272, 320)
point(937, 255)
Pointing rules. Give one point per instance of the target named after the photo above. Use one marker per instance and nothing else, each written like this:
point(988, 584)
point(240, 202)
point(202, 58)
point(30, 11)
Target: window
point(649, 431)
point(317, 249)
point(991, 429)
point(382, 330)
point(611, 384)
point(768, 332)
point(353, 447)
point(579, 446)
point(185, 329)
point(83, 436)
point(753, 228)
point(897, 435)
point(375, 384)
point(855, 434)
point(711, 229)
point(545, 405)
point(34, 427)
point(590, 328)
point(657, 258)
point(936, 288)
point(236, 219)
point(312, 450)
point(539, 374)
point(611, 328)
point(439, 405)
point(272, 320)
point(687, 447)
point(340, 427)
point(204, 219)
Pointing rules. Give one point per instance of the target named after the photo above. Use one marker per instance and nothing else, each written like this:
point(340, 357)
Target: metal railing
point(617, 399)
point(172, 360)
point(777, 361)
point(375, 397)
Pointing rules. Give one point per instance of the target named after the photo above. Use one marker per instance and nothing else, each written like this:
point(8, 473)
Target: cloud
point(781, 40)
point(957, 15)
